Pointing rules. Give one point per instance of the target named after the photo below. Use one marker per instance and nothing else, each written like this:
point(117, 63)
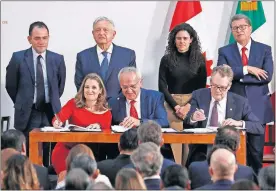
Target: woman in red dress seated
point(89, 107)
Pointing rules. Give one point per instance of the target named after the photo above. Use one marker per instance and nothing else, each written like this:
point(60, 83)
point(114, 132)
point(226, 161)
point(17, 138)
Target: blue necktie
point(104, 66)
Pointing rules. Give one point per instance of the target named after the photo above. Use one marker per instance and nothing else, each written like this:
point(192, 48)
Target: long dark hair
point(195, 57)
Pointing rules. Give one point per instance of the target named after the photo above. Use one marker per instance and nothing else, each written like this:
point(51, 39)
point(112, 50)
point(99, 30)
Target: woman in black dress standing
point(182, 70)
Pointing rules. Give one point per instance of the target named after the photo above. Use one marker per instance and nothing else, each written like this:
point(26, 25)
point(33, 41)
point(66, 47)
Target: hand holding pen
point(198, 115)
point(57, 123)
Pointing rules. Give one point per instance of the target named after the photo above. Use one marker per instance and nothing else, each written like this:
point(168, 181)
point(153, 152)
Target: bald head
point(5, 155)
point(223, 164)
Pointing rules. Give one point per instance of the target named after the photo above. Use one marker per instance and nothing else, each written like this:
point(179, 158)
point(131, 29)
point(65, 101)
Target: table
point(107, 136)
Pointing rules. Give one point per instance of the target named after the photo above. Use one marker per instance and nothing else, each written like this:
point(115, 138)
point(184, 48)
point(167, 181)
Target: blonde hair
point(129, 179)
point(101, 104)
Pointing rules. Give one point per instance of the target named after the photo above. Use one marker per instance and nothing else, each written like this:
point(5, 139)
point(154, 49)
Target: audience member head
point(129, 179)
point(241, 28)
point(176, 175)
point(244, 184)
point(77, 179)
point(147, 159)
point(39, 36)
point(228, 136)
point(77, 150)
point(266, 178)
point(222, 164)
point(183, 38)
point(86, 163)
point(92, 89)
point(103, 32)
point(98, 186)
point(15, 139)
point(221, 81)
point(131, 82)
point(20, 174)
point(5, 155)
point(128, 141)
point(150, 131)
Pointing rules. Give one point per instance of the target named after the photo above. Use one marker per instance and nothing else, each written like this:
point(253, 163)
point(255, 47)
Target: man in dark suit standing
point(252, 65)
point(217, 107)
point(35, 81)
point(128, 143)
point(230, 137)
point(105, 59)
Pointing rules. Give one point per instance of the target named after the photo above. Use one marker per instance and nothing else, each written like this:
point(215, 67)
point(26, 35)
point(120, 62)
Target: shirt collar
point(152, 177)
point(247, 46)
point(109, 50)
point(137, 98)
point(35, 54)
point(221, 102)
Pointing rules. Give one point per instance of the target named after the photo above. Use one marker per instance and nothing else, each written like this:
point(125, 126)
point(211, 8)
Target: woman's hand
point(183, 110)
point(94, 126)
point(57, 124)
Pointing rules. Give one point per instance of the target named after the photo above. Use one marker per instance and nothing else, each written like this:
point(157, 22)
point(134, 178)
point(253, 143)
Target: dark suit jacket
point(218, 185)
point(20, 83)
point(153, 184)
point(88, 62)
point(110, 167)
point(42, 175)
point(256, 91)
point(152, 107)
point(199, 173)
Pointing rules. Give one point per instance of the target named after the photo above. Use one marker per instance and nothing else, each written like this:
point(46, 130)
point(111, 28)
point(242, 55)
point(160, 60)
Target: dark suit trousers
point(39, 119)
point(255, 150)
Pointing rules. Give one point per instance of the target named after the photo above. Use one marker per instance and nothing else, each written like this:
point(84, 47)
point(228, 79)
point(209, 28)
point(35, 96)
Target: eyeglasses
point(241, 27)
point(220, 88)
point(133, 87)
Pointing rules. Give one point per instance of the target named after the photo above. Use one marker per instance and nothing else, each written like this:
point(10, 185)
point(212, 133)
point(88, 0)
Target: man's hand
point(198, 115)
point(130, 122)
point(259, 73)
point(183, 110)
point(231, 122)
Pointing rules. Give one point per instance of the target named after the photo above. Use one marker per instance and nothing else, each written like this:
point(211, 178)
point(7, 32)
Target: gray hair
point(148, 159)
point(266, 178)
point(223, 70)
point(130, 70)
point(239, 17)
point(150, 131)
point(102, 18)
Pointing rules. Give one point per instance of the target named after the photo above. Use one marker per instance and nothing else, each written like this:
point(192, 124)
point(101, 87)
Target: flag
point(191, 12)
point(254, 11)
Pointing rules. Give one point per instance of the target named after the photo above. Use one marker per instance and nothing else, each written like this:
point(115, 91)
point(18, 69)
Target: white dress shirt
point(101, 56)
point(245, 71)
point(221, 107)
point(137, 106)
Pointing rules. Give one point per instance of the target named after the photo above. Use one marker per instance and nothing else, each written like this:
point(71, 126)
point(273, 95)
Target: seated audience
point(222, 168)
point(129, 179)
point(90, 163)
point(98, 186)
point(147, 160)
point(150, 131)
point(128, 143)
point(244, 184)
point(136, 105)
point(19, 174)
point(77, 179)
point(88, 108)
point(14, 139)
point(175, 177)
point(230, 137)
point(266, 178)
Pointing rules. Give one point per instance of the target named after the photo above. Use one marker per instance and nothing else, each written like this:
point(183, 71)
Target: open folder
point(72, 128)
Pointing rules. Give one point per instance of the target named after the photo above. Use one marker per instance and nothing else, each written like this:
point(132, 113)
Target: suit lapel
point(122, 107)
point(205, 106)
point(237, 54)
point(30, 63)
point(230, 106)
point(93, 58)
point(113, 59)
point(49, 67)
point(252, 55)
point(143, 103)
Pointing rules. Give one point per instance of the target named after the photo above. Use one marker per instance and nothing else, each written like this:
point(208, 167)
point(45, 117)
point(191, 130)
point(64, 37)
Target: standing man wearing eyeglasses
point(252, 65)
point(217, 107)
point(106, 59)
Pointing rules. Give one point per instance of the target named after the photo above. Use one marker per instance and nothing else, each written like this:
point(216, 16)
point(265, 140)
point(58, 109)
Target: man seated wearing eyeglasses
point(136, 105)
point(217, 107)
point(252, 65)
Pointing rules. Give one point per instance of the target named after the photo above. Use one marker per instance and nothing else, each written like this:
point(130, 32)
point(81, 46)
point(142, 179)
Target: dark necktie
point(133, 112)
point(40, 89)
point(104, 66)
point(214, 115)
point(244, 57)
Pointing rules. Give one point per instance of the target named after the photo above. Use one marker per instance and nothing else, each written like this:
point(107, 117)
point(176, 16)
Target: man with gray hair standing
point(148, 160)
point(106, 59)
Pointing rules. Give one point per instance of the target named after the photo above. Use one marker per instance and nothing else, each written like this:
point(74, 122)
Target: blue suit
point(237, 108)
point(218, 185)
point(152, 108)
point(88, 62)
point(153, 184)
point(255, 91)
point(199, 174)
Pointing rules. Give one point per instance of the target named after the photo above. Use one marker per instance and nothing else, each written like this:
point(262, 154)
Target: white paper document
point(168, 130)
point(119, 129)
point(71, 127)
point(200, 130)
point(52, 129)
